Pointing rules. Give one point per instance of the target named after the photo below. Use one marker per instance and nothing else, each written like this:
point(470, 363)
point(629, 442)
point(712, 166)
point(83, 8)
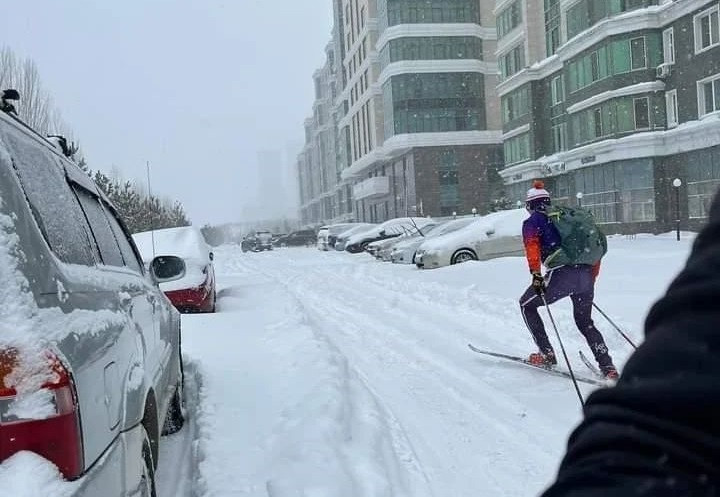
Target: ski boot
point(543, 360)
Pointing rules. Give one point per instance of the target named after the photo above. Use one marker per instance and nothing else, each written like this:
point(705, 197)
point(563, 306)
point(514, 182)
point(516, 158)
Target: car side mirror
point(211, 256)
point(166, 268)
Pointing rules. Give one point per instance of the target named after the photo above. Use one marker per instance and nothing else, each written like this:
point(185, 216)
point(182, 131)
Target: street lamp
point(454, 215)
point(677, 183)
point(579, 196)
point(474, 211)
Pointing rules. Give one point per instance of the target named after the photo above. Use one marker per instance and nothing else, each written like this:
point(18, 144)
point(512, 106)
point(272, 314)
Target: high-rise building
point(423, 124)
point(623, 105)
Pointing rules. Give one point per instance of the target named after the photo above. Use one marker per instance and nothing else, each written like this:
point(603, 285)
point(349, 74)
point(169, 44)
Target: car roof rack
point(11, 95)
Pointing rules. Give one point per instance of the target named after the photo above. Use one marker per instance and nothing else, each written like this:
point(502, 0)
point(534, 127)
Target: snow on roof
point(187, 242)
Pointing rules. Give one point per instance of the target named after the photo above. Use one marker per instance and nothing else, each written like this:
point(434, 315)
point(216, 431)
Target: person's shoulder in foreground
point(657, 432)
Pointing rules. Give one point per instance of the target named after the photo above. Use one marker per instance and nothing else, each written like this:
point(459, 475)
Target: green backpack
point(581, 241)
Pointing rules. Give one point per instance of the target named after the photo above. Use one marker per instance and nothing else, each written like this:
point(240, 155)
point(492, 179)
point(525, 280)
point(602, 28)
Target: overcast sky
point(196, 87)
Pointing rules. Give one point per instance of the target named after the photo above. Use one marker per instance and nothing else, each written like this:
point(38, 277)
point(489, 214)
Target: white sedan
point(496, 235)
point(404, 251)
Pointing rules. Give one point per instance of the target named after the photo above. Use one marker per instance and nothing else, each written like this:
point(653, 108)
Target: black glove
point(538, 283)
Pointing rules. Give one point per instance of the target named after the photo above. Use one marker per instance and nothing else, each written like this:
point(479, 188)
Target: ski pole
point(617, 328)
point(562, 347)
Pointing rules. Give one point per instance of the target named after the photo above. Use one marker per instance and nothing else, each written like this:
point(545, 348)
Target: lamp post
point(677, 183)
point(474, 211)
point(454, 215)
point(579, 196)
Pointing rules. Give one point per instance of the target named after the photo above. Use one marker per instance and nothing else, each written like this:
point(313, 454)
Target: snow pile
point(187, 243)
point(26, 474)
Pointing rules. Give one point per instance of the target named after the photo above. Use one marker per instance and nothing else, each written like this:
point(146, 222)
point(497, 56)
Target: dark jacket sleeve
point(657, 433)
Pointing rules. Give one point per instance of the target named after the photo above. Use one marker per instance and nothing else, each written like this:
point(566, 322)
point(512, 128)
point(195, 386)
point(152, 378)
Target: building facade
point(434, 124)
point(624, 101)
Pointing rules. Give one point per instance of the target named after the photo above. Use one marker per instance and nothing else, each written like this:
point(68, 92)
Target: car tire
point(175, 417)
point(147, 481)
point(463, 255)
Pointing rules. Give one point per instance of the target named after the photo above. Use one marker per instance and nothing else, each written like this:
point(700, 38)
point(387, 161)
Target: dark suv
point(90, 368)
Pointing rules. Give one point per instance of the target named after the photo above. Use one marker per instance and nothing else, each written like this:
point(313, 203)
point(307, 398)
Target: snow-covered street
point(329, 374)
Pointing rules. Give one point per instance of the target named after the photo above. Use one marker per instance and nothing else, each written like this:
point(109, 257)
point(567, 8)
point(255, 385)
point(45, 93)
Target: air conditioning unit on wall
point(663, 71)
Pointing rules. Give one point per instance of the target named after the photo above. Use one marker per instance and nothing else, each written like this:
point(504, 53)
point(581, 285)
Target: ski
point(554, 372)
point(595, 371)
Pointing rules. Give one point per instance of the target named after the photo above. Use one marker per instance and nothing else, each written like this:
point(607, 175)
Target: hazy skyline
point(196, 87)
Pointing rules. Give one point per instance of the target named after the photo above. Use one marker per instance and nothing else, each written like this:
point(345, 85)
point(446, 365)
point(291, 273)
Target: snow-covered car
point(404, 251)
point(90, 364)
point(342, 238)
point(301, 238)
point(263, 241)
point(196, 290)
point(389, 229)
point(382, 249)
point(327, 236)
point(322, 238)
point(496, 235)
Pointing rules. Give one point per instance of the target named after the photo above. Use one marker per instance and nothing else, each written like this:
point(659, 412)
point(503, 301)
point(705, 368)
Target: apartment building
point(434, 124)
point(624, 102)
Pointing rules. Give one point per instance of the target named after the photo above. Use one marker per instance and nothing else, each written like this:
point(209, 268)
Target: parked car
point(382, 248)
point(196, 290)
point(301, 238)
point(389, 229)
point(327, 235)
point(342, 238)
point(404, 251)
point(257, 242)
point(496, 235)
point(90, 366)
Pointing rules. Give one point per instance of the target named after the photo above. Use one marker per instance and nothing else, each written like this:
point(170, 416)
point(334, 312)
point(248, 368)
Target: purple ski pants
point(576, 282)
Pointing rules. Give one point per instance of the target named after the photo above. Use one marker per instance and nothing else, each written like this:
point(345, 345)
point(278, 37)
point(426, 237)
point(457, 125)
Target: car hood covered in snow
point(186, 242)
point(393, 225)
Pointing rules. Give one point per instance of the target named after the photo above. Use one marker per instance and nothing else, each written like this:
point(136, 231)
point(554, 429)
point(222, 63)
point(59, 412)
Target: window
point(703, 180)
point(52, 202)
point(709, 95)
point(104, 236)
point(707, 31)
point(129, 255)
point(516, 104)
point(512, 62)
point(597, 122)
point(642, 113)
point(509, 19)
point(559, 137)
point(669, 46)
point(637, 53)
point(557, 90)
point(517, 149)
point(671, 106)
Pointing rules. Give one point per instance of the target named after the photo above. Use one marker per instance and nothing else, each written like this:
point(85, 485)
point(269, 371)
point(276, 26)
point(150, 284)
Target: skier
point(657, 432)
point(542, 244)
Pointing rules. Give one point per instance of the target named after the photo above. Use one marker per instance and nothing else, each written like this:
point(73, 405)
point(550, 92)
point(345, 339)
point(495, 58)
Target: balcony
point(372, 187)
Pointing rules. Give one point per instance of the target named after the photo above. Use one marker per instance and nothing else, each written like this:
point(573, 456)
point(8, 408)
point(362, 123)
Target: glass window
point(669, 46)
point(671, 106)
point(709, 95)
point(104, 236)
point(557, 90)
point(52, 202)
point(707, 31)
point(637, 53)
point(642, 113)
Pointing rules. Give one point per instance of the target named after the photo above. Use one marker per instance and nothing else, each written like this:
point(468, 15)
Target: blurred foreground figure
point(657, 433)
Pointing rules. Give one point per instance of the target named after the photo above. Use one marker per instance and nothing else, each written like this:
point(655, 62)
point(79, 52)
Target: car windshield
point(247, 244)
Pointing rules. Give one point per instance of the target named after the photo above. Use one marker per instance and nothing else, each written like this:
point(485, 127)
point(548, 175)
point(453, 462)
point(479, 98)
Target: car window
point(109, 249)
point(129, 255)
point(52, 202)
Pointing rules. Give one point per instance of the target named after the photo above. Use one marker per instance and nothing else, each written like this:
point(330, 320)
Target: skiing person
point(657, 432)
point(566, 277)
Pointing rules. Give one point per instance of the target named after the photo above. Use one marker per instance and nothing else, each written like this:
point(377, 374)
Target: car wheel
point(463, 255)
point(175, 418)
point(364, 246)
point(147, 481)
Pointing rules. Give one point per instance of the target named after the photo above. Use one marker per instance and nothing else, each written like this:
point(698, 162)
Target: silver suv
point(90, 365)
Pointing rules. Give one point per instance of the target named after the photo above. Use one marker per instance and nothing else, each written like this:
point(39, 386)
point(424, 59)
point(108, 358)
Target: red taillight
point(56, 437)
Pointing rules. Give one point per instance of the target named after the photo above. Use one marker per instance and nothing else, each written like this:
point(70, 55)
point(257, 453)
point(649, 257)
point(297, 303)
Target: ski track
point(410, 351)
